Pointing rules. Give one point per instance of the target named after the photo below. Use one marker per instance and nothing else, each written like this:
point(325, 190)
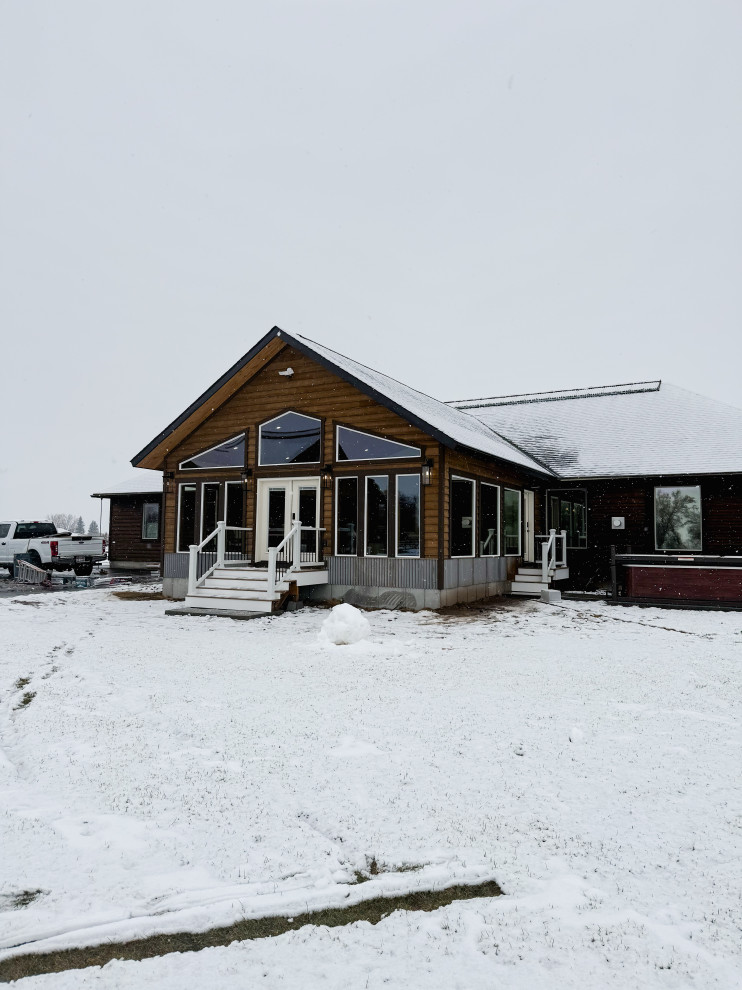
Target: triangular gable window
point(355, 446)
point(290, 439)
point(230, 454)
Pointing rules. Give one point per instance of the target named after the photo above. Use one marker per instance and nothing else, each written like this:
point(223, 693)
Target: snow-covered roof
point(644, 428)
point(439, 418)
point(144, 482)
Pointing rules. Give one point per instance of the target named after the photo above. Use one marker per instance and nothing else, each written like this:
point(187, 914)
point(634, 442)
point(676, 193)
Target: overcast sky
point(476, 197)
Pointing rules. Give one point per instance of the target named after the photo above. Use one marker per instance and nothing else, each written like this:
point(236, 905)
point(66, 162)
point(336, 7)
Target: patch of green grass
point(27, 698)
point(22, 682)
point(373, 910)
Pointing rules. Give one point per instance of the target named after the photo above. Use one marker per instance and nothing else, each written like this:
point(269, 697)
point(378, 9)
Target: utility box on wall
point(618, 522)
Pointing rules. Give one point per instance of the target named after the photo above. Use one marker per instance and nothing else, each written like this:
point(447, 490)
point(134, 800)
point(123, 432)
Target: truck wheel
point(34, 557)
point(83, 570)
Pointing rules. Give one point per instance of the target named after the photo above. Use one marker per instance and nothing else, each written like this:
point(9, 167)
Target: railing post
point(192, 568)
point(296, 564)
point(614, 576)
point(271, 570)
point(545, 561)
point(221, 533)
point(564, 548)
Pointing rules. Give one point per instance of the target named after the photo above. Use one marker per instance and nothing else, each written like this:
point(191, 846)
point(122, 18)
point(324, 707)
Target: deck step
point(229, 604)
point(227, 584)
point(235, 595)
point(531, 590)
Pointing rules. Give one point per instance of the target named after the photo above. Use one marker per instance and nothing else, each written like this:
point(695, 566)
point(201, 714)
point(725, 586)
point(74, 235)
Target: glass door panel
point(276, 515)
point(209, 512)
point(308, 504)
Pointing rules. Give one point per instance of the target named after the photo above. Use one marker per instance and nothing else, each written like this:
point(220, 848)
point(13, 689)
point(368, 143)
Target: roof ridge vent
point(557, 395)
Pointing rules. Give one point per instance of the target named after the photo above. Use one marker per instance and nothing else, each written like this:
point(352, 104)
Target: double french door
point(281, 500)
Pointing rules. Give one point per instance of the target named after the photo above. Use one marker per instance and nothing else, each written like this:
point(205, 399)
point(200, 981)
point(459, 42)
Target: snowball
point(344, 625)
point(576, 735)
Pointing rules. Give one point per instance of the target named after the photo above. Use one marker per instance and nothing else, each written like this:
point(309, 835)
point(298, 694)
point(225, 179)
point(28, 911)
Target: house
point(134, 529)
point(302, 466)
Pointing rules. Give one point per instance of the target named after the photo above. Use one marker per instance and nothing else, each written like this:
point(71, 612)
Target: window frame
point(226, 467)
point(473, 483)
point(151, 539)
point(338, 479)
point(408, 556)
point(373, 436)
point(289, 464)
point(489, 484)
point(376, 556)
point(519, 493)
point(181, 486)
point(681, 550)
point(202, 535)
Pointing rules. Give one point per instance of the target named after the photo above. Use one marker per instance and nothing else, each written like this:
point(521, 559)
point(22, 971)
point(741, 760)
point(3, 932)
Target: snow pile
point(345, 625)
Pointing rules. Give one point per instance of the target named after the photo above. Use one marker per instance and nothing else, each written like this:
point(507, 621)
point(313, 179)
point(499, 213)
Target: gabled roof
point(143, 483)
point(643, 428)
point(439, 420)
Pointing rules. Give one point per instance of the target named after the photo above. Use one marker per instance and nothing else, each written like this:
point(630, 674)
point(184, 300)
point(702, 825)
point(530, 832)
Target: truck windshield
point(30, 530)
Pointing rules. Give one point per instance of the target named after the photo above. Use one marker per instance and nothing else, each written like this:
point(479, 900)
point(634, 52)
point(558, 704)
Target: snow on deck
point(179, 773)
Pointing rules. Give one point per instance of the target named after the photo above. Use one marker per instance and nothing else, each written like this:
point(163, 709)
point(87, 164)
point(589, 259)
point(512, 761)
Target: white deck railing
point(549, 561)
point(194, 581)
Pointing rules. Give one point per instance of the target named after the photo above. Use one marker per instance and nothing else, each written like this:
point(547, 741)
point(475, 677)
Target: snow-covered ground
point(176, 773)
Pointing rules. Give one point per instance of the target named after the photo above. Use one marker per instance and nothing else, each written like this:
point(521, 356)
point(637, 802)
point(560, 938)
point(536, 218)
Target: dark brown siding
point(125, 531)
point(633, 498)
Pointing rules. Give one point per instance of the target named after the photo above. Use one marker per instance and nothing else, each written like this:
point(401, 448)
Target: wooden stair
point(245, 589)
point(529, 580)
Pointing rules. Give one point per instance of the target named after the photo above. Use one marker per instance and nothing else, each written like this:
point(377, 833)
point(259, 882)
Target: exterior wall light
point(247, 478)
point(426, 472)
point(168, 476)
point(327, 476)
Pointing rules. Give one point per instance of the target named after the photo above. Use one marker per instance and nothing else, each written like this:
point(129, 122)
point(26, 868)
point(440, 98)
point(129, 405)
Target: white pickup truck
point(48, 548)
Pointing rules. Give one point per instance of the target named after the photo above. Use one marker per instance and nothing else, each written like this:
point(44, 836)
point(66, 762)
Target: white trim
point(313, 481)
point(488, 484)
point(700, 522)
point(152, 539)
point(408, 556)
point(519, 493)
point(202, 535)
point(290, 463)
point(181, 485)
point(226, 467)
point(339, 478)
point(464, 556)
point(365, 516)
point(372, 436)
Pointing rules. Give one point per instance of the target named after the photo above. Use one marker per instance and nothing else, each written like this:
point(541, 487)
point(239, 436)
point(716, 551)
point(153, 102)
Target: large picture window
point(377, 515)
point(462, 517)
point(408, 515)
point(346, 517)
point(230, 454)
point(489, 520)
point(568, 512)
point(186, 517)
point(677, 518)
point(290, 439)
point(352, 445)
point(151, 521)
point(511, 522)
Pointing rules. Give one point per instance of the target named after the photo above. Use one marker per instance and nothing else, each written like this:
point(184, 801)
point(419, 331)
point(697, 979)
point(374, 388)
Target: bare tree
point(64, 521)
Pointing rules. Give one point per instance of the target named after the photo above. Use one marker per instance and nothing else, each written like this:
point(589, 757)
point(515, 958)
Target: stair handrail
point(193, 580)
point(294, 538)
point(548, 556)
point(563, 534)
